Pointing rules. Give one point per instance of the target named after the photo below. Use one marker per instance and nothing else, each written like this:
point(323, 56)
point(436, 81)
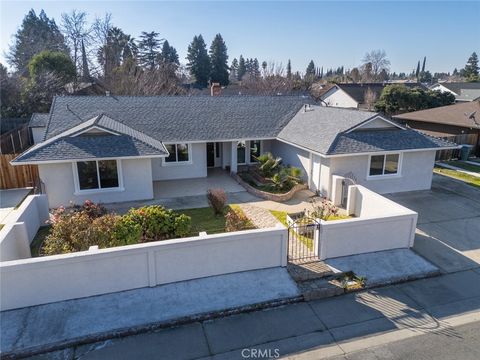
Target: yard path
point(260, 217)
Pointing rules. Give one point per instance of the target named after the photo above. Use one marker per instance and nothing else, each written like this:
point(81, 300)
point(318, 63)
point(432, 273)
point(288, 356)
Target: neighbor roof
point(357, 91)
point(456, 87)
point(326, 130)
point(468, 95)
point(38, 120)
point(456, 114)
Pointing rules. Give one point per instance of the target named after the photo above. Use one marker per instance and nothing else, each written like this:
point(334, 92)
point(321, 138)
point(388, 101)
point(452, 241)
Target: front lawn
point(464, 166)
point(469, 179)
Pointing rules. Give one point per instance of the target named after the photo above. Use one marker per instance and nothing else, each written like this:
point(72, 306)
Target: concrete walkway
point(451, 167)
point(260, 217)
point(312, 330)
point(66, 321)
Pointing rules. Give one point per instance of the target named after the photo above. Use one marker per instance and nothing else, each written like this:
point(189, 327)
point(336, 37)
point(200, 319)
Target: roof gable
point(376, 123)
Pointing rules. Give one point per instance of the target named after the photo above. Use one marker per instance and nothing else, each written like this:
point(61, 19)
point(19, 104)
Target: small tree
point(217, 200)
point(471, 70)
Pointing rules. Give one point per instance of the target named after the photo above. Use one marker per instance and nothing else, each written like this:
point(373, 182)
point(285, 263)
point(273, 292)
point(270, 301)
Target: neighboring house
point(463, 91)
point(454, 122)
point(112, 149)
point(37, 125)
point(355, 96)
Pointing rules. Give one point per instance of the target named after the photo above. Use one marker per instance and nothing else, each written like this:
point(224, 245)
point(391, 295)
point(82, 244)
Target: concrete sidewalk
point(68, 322)
point(312, 330)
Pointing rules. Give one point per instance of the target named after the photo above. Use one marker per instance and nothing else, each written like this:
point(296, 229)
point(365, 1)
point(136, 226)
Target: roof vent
point(307, 107)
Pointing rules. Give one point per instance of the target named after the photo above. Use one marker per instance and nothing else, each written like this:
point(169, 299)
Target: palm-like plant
point(268, 164)
point(286, 178)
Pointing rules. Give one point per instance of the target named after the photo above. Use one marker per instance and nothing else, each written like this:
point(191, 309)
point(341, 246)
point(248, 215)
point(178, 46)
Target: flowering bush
point(323, 209)
point(217, 200)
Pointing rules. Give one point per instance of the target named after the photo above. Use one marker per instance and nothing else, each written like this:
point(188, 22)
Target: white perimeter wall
point(60, 188)
point(292, 156)
point(380, 224)
point(416, 172)
point(47, 279)
point(23, 223)
point(197, 168)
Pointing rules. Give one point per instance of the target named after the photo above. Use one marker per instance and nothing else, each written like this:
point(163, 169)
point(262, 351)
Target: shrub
point(268, 165)
point(217, 200)
point(287, 178)
point(323, 209)
point(236, 220)
point(157, 223)
point(89, 208)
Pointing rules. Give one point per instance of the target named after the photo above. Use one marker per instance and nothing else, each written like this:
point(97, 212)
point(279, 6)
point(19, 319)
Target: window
point(384, 164)
point(101, 174)
point(254, 150)
point(178, 153)
point(241, 152)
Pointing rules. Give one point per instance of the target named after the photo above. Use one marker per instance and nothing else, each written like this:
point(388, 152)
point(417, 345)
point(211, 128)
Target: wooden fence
point(462, 139)
point(15, 141)
point(16, 176)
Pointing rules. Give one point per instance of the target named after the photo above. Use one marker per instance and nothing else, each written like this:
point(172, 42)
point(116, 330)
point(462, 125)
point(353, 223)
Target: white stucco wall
point(37, 134)
point(195, 169)
point(338, 98)
point(416, 172)
point(292, 156)
point(60, 188)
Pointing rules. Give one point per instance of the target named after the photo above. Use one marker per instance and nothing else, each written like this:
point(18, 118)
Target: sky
point(331, 33)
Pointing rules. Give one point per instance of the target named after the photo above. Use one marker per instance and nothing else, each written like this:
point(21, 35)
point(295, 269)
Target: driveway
point(448, 228)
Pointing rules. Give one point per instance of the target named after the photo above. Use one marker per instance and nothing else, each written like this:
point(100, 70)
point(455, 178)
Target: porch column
point(233, 158)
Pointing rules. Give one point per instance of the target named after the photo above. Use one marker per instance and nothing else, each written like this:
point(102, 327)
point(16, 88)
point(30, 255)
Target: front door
point(210, 154)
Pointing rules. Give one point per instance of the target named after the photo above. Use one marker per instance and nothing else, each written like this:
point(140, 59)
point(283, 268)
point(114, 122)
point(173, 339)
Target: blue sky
point(331, 33)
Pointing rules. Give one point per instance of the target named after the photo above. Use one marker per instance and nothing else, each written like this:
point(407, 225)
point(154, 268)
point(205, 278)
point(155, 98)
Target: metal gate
point(303, 240)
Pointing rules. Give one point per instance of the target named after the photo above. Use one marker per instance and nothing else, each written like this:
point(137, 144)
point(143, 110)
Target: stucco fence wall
point(379, 224)
point(21, 227)
point(48, 279)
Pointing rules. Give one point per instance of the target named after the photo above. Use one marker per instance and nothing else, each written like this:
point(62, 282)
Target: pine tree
point(417, 72)
point(255, 68)
point(37, 33)
point(218, 61)
point(310, 69)
point(85, 72)
point(289, 69)
point(234, 70)
point(242, 68)
point(149, 49)
point(198, 61)
point(264, 66)
point(471, 68)
point(169, 54)
point(424, 62)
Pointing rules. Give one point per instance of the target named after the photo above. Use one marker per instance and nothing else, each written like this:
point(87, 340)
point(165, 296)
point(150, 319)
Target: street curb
point(139, 329)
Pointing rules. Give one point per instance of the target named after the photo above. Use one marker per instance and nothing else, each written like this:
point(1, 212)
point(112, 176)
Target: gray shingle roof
point(181, 118)
point(456, 87)
point(357, 91)
point(38, 120)
point(77, 143)
point(324, 130)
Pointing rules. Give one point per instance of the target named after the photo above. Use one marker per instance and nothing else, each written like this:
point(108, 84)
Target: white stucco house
point(113, 149)
point(463, 91)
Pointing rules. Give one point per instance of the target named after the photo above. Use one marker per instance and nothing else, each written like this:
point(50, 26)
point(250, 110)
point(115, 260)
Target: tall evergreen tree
point(471, 68)
point(424, 62)
point(149, 49)
point(169, 54)
point(218, 61)
point(242, 68)
point(417, 72)
point(198, 61)
point(234, 70)
point(310, 71)
point(36, 34)
point(289, 69)
point(264, 66)
point(255, 68)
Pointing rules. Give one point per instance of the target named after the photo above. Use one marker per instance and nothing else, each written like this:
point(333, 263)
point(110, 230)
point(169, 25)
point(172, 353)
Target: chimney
point(215, 89)
point(107, 93)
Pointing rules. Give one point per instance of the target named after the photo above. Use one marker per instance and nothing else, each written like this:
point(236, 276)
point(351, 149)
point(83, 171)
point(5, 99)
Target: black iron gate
point(303, 239)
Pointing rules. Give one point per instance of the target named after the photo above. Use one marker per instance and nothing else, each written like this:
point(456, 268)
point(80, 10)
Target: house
point(355, 96)
point(458, 122)
point(37, 125)
point(463, 91)
point(112, 149)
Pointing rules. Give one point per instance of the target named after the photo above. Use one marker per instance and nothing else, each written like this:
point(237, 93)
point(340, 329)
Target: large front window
point(241, 152)
point(101, 174)
point(254, 150)
point(178, 153)
point(384, 164)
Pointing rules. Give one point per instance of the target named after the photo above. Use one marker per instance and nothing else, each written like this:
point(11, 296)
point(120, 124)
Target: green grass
point(469, 179)
point(1, 226)
point(38, 240)
point(464, 166)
